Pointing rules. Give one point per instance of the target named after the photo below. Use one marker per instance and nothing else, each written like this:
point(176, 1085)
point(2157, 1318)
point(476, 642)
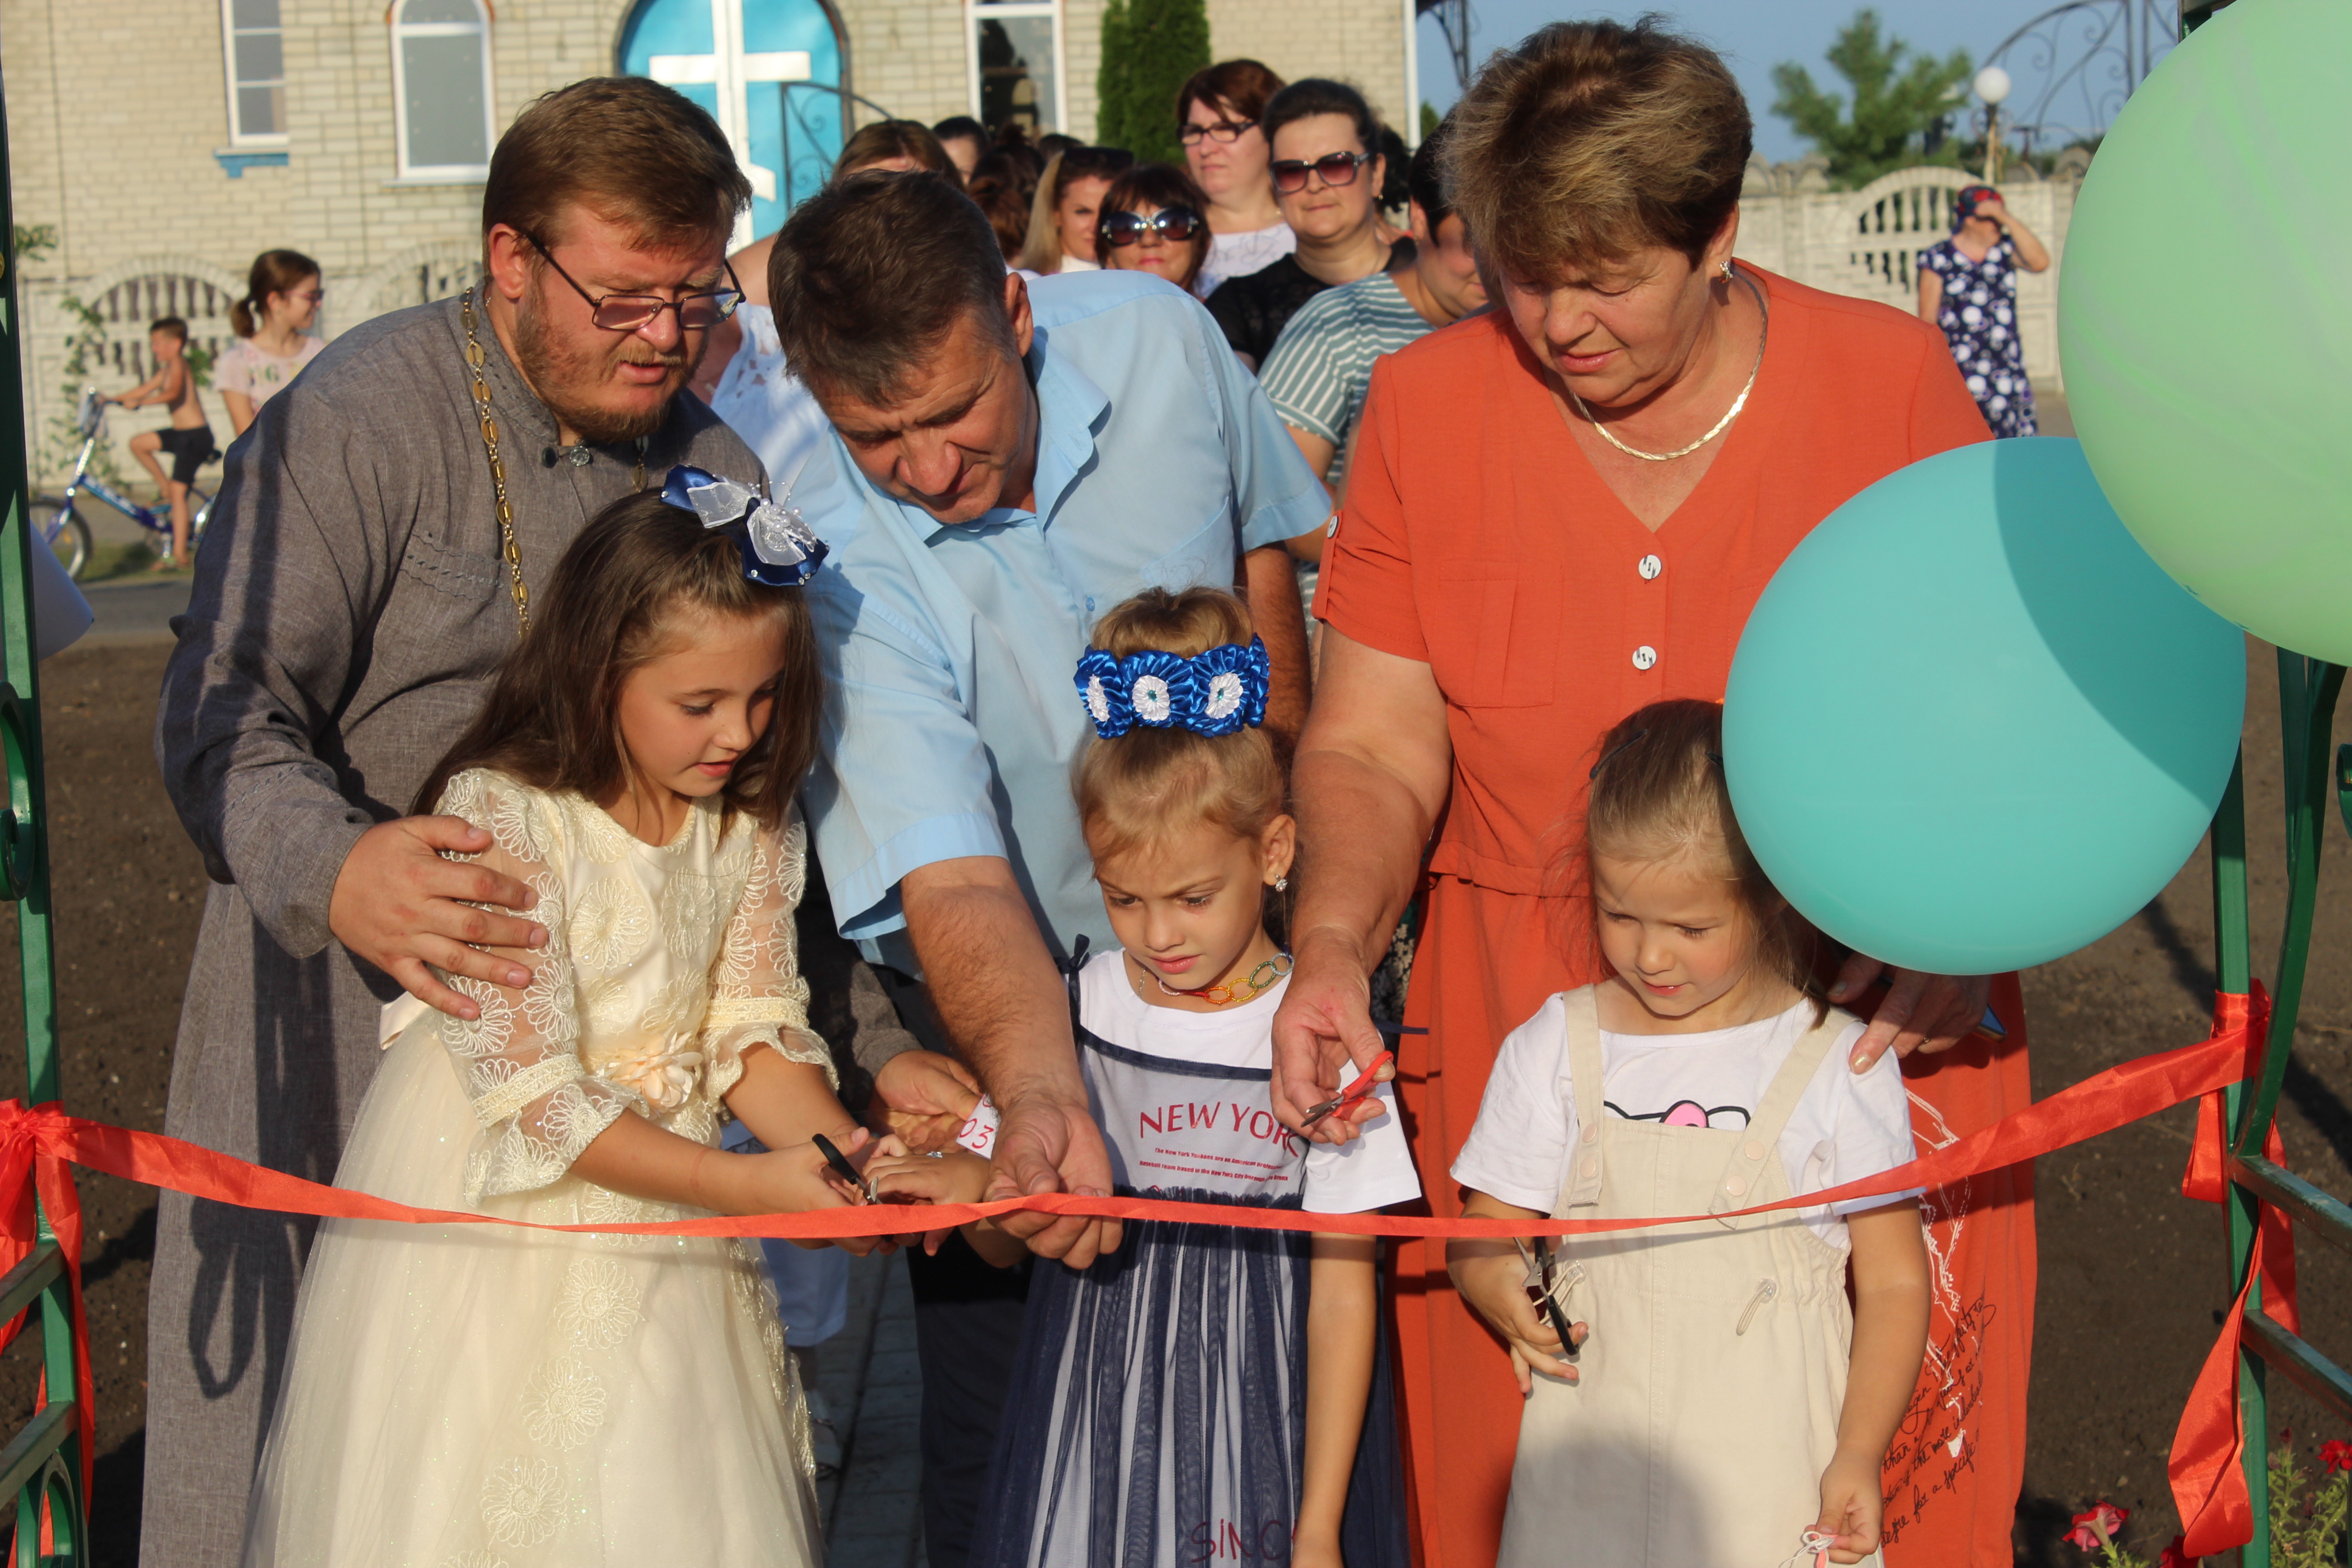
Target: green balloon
point(2205, 319)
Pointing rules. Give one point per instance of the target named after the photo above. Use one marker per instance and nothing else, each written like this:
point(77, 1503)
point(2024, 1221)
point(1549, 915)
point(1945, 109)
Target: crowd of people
point(677, 733)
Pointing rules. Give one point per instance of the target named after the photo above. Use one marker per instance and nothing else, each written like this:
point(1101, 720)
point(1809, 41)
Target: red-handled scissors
point(1359, 1089)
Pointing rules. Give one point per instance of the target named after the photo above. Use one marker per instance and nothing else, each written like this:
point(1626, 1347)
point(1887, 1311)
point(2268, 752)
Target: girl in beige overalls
point(1720, 1404)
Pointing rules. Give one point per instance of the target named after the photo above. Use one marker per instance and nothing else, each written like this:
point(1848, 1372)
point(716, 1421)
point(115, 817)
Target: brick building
point(167, 141)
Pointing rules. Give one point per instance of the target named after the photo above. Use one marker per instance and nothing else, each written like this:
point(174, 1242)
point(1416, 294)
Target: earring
point(1726, 271)
point(1282, 884)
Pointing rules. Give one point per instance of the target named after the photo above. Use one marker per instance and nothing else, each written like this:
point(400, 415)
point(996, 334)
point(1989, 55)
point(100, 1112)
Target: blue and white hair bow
point(779, 548)
point(1213, 694)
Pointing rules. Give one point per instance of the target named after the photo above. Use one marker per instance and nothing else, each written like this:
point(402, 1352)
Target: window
point(255, 46)
point(441, 87)
point(1016, 63)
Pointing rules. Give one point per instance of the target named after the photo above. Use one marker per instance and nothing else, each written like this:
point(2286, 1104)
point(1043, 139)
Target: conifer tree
point(1148, 48)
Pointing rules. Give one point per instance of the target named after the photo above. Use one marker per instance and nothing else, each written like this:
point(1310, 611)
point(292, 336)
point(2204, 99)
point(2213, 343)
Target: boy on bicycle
point(190, 438)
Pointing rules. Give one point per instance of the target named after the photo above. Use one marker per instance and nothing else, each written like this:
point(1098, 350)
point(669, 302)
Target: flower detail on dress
point(661, 1072)
point(473, 1560)
point(610, 924)
point(522, 1502)
point(605, 840)
point(694, 910)
point(599, 1304)
point(564, 1405)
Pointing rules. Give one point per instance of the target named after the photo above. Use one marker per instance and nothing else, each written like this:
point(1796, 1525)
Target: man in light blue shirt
point(1009, 464)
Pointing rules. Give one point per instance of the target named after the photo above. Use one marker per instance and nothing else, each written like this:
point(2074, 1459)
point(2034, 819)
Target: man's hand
point(400, 905)
point(1920, 1012)
point(1323, 1037)
point(1047, 1143)
point(923, 1097)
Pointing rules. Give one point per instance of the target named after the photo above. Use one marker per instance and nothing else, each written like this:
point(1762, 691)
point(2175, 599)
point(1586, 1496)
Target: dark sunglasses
point(1219, 130)
point(1334, 168)
point(1174, 223)
point(627, 313)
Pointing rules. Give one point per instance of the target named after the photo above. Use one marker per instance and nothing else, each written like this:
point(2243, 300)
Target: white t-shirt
point(245, 370)
point(1220, 1134)
point(1845, 1126)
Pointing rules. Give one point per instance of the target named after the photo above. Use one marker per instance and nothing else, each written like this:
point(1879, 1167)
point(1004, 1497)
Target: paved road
point(135, 611)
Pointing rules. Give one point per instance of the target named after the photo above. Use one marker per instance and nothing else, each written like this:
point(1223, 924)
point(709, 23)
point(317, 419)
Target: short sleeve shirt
point(1846, 1125)
point(950, 651)
point(1322, 364)
point(1476, 538)
point(257, 376)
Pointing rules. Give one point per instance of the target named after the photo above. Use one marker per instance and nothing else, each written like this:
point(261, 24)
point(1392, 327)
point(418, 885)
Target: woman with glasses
point(273, 333)
point(1225, 150)
point(1152, 222)
point(1325, 176)
point(1558, 511)
point(1061, 214)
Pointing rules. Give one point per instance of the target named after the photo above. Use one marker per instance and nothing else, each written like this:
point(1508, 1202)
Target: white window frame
point(398, 30)
point(237, 136)
point(977, 11)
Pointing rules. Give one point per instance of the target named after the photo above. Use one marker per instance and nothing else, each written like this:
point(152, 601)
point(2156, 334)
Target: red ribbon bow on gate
point(32, 1161)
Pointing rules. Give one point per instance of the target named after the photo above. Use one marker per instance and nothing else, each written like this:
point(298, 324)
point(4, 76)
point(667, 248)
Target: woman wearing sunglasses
point(1152, 221)
point(1226, 153)
point(1326, 173)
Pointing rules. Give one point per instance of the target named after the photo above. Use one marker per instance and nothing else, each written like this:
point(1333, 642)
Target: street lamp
point(1993, 86)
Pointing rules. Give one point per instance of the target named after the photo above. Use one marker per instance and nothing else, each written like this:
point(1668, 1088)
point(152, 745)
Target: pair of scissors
point(1359, 1089)
point(842, 1168)
point(1541, 1262)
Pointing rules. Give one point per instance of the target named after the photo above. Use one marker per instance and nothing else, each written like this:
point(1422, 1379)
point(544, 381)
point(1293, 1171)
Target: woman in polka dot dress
point(1968, 286)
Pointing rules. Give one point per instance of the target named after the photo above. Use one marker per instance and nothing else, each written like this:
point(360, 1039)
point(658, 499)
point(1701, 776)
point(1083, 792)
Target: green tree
point(1148, 48)
point(1899, 96)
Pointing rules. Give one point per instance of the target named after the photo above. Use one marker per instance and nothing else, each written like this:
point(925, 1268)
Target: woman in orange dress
point(1560, 510)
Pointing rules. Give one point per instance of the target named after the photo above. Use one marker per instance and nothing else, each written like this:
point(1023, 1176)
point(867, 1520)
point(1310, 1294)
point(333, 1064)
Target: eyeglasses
point(627, 313)
point(1174, 223)
point(1219, 131)
point(1334, 168)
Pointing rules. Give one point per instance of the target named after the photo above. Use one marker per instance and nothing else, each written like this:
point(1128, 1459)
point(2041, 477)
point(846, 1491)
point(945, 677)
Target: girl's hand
point(1851, 1506)
point(798, 1180)
point(1314, 1548)
point(957, 1178)
point(1492, 1278)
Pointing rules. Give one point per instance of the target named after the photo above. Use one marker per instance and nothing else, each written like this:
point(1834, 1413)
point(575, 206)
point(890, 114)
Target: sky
point(1752, 35)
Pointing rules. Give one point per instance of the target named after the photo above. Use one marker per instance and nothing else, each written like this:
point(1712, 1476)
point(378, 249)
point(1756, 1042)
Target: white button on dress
point(1645, 657)
point(1649, 566)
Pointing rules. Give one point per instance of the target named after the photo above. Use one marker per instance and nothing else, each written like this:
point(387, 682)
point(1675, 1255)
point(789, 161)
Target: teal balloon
point(2205, 319)
point(1971, 726)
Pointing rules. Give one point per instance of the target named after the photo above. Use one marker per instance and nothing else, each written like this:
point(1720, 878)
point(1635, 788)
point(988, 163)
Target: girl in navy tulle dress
point(1203, 1393)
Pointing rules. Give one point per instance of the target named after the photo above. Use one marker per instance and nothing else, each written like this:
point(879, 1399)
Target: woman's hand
point(1920, 1012)
point(924, 1098)
point(1323, 1037)
point(1995, 210)
point(1492, 1278)
point(1851, 1506)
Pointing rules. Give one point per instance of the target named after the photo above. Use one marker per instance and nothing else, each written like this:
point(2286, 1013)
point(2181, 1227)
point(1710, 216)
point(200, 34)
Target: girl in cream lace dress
point(492, 1395)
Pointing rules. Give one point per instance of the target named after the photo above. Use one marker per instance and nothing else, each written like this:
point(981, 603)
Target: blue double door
point(768, 70)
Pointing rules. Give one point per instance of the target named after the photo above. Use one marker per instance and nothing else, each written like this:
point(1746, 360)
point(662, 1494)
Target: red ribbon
point(2208, 1462)
point(43, 1139)
point(29, 1163)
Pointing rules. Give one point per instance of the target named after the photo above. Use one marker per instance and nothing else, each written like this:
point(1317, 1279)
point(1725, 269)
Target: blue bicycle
point(59, 517)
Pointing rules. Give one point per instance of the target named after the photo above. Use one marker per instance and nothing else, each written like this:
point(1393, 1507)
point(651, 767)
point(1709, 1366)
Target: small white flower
point(1150, 699)
point(1225, 695)
point(1971, 315)
point(1976, 384)
point(565, 1403)
point(599, 1302)
point(522, 1502)
point(1097, 700)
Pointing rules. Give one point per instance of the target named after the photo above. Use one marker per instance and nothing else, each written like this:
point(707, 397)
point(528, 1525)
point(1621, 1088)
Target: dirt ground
point(2133, 1275)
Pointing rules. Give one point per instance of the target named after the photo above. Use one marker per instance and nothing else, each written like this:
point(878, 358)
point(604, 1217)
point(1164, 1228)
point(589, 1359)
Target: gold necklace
point(476, 363)
point(1736, 405)
point(1260, 980)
